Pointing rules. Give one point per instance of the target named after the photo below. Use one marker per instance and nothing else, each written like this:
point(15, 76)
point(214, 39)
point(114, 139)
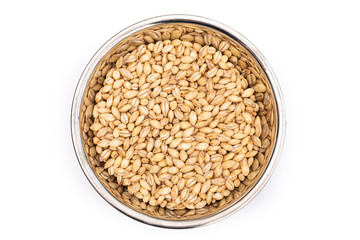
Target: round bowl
point(157, 216)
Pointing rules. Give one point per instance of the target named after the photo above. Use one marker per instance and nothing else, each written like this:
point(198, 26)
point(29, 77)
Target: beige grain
point(180, 120)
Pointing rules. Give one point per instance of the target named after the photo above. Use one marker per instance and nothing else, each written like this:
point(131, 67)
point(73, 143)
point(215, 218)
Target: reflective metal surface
point(133, 36)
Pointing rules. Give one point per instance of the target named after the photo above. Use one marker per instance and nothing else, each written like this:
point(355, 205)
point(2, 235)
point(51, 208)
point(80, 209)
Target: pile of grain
point(180, 121)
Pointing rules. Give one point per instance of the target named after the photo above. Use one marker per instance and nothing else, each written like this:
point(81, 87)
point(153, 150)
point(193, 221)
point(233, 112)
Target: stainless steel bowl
point(160, 217)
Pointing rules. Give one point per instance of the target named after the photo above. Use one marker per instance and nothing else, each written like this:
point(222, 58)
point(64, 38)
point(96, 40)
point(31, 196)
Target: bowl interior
point(250, 69)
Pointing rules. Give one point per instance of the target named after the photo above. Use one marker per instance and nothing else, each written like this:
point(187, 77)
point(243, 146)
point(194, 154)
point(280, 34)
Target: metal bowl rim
point(75, 126)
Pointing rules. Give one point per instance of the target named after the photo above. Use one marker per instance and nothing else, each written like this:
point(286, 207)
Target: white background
point(314, 48)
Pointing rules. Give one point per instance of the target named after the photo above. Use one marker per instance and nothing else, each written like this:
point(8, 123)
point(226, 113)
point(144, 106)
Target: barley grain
point(178, 119)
